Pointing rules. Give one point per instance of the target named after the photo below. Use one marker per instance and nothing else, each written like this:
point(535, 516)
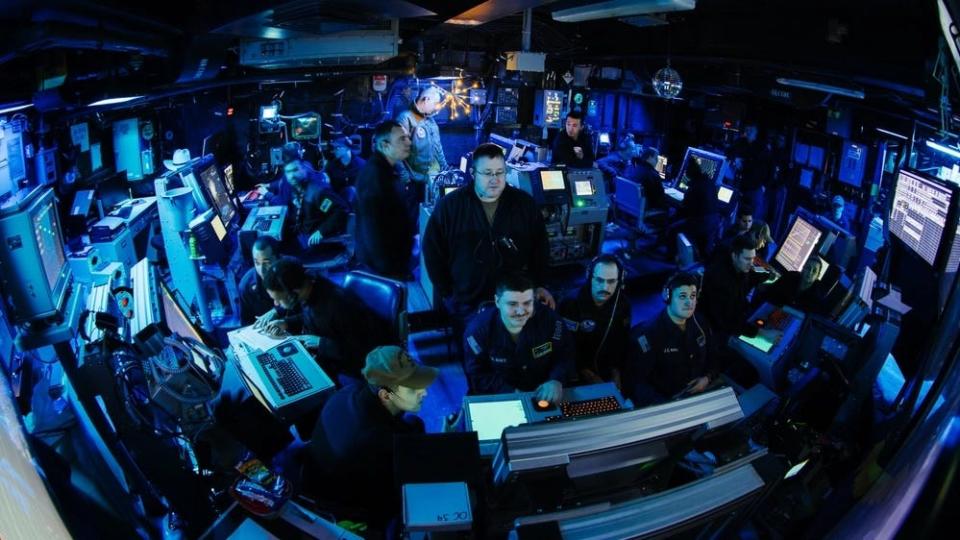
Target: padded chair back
point(386, 297)
point(629, 197)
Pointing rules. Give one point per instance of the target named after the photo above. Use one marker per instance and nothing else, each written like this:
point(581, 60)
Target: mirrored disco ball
point(667, 83)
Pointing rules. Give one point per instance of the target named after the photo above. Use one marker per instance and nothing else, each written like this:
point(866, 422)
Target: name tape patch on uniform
point(644, 344)
point(474, 346)
point(325, 205)
point(498, 360)
point(542, 350)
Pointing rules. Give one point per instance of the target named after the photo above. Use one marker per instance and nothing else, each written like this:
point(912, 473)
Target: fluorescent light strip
point(950, 151)
point(16, 108)
point(830, 89)
point(892, 133)
point(113, 101)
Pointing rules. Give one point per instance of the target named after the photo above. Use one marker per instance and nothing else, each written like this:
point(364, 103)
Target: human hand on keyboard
point(551, 391)
point(275, 328)
point(262, 320)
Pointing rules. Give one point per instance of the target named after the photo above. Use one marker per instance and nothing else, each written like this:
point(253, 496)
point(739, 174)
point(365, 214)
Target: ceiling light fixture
point(15, 108)
point(113, 101)
point(621, 8)
point(822, 87)
point(948, 150)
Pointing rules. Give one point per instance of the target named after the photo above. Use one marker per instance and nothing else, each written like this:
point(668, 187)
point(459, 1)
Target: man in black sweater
point(344, 168)
point(598, 315)
point(572, 146)
point(726, 285)
point(384, 236)
point(481, 231)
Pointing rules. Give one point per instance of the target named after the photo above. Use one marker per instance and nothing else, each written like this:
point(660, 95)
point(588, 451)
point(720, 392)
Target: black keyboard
point(589, 407)
point(287, 379)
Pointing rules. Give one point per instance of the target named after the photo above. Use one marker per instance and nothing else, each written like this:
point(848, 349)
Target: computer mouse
point(542, 404)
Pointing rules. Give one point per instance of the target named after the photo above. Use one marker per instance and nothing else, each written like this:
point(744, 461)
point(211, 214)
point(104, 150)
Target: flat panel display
point(490, 418)
point(918, 215)
point(799, 244)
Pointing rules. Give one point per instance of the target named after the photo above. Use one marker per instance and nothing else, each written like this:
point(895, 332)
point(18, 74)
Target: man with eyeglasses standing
point(384, 233)
point(482, 231)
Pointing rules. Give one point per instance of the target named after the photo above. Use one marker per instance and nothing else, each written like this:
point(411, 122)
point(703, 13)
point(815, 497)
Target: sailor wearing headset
point(668, 357)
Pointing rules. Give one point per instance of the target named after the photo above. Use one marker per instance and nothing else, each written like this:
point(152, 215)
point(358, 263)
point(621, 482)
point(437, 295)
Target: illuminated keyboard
point(262, 224)
point(587, 407)
point(287, 379)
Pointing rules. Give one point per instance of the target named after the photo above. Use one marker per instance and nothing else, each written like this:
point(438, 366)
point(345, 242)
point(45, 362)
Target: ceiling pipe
point(527, 30)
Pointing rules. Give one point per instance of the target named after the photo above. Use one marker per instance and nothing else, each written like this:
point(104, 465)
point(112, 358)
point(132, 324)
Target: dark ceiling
point(886, 47)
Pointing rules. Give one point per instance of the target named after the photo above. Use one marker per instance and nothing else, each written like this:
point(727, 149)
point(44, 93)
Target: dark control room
point(443, 269)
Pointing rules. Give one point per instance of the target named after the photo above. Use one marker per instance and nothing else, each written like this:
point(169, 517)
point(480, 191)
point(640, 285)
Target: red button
point(124, 302)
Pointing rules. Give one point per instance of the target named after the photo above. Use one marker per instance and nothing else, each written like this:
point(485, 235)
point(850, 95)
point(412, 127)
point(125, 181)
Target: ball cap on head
point(838, 200)
point(391, 366)
point(181, 156)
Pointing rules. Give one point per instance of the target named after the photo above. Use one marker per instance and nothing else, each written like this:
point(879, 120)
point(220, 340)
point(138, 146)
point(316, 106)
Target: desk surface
point(574, 393)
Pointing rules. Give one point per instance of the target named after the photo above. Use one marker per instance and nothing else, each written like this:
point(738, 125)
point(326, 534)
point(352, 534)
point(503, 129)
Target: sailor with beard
point(518, 345)
point(668, 356)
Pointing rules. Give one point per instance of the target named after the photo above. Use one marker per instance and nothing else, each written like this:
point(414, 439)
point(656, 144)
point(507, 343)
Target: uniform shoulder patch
point(571, 324)
point(474, 346)
point(325, 205)
point(644, 344)
point(558, 331)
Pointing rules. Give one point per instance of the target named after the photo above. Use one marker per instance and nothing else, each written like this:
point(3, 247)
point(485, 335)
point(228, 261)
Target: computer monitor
point(662, 166)
point(516, 152)
point(918, 215)
point(176, 319)
point(490, 418)
point(219, 197)
point(35, 275)
point(604, 138)
point(583, 188)
point(228, 178)
point(552, 180)
point(711, 165)
point(724, 194)
point(806, 178)
point(853, 159)
point(306, 127)
point(269, 112)
point(799, 244)
point(126, 148)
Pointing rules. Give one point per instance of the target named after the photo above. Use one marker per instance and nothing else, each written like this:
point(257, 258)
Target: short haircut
point(745, 210)
point(741, 243)
point(514, 282)
point(682, 279)
point(382, 132)
point(606, 258)
point(292, 151)
point(649, 152)
point(286, 275)
point(576, 115)
point(487, 150)
point(342, 141)
point(265, 242)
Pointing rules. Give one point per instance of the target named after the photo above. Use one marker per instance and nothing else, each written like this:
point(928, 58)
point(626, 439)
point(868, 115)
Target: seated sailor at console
point(799, 289)
point(726, 285)
point(314, 211)
point(620, 163)
point(516, 346)
point(598, 315)
point(351, 449)
point(668, 356)
point(255, 303)
point(333, 323)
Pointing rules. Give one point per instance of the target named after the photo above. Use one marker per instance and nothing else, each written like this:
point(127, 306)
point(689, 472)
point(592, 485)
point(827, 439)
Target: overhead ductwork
point(621, 8)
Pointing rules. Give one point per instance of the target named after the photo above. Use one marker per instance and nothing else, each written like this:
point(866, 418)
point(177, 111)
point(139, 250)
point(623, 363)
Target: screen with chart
point(552, 181)
point(490, 418)
point(918, 215)
point(709, 163)
point(799, 244)
point(49, 243)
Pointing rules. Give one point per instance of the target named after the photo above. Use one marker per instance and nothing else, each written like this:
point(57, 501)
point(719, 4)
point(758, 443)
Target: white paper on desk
point(251, 530)
point(254, 339)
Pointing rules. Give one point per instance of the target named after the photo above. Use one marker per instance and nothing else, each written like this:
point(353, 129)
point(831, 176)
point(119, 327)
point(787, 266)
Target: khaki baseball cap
point(391, 366)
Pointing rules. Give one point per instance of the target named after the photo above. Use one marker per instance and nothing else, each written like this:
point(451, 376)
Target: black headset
point(672, 284)
point(606, 258)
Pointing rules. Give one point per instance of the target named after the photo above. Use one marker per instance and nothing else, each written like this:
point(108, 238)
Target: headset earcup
point(666, 295)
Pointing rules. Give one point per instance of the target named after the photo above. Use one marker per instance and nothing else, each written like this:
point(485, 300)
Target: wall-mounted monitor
point(918, 215)
point(798, 245)
point(126, 148)
point(306, 127)
point(709, 163)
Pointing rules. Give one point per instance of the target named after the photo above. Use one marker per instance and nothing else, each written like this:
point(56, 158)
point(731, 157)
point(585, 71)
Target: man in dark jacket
point(700, 211)
point(333, 323)
point(385, 233)
point(651, 180)
point(351, 449)
point(598, 316)
point(516, 346)
point(344, 168)
point(254, 300)
point(481, 231)
point(668, 355)
point(726, 285)
point(314, 211)
point(572, 146)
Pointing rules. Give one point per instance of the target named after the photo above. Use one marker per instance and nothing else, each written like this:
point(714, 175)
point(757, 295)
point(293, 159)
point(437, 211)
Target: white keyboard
point(674, 194)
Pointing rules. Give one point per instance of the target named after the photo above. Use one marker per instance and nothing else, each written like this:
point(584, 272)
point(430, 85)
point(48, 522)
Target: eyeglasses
point(493, 174)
